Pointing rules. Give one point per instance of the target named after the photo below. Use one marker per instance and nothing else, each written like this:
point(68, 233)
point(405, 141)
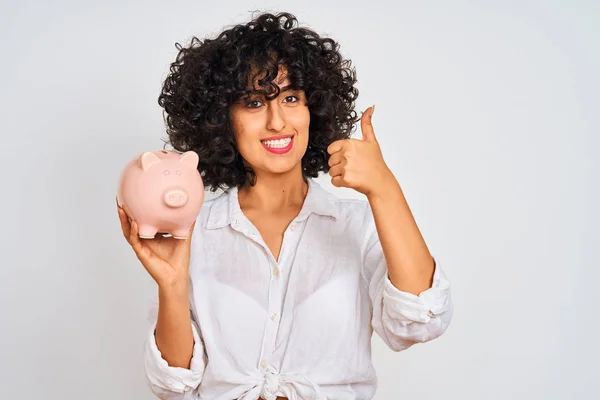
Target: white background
point(487, 113)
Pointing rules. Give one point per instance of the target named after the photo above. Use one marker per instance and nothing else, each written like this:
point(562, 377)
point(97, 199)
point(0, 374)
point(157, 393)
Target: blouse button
point(430, 313)
point(276, 272)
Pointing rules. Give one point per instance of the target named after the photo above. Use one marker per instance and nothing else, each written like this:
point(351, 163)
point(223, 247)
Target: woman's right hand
point(166, 259)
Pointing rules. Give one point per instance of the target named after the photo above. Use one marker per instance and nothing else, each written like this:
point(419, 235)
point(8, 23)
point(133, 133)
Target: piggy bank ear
point(148, 159)
point(190, 159)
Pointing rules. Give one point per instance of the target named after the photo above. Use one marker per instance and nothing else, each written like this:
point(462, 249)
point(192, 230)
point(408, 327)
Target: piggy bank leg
point(181, 233)
point(147, 231)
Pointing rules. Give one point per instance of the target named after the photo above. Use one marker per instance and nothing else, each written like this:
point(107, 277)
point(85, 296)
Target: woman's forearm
point(174, 337)
point(410, 265)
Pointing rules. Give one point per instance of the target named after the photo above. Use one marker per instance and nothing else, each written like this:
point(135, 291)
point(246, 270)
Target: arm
point(416, 307)
point(359, 164)
point(174, 358)
point(410, 293)
point(174, 336)
point(410, 265)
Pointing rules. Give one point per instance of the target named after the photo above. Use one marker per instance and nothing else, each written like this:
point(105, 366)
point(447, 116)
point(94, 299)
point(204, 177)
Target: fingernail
point(372, 110)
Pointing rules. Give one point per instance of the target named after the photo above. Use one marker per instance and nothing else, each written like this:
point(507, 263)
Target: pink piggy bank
point(163, 191)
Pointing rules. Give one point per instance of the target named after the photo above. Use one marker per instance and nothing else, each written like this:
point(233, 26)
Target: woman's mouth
point(278, 146)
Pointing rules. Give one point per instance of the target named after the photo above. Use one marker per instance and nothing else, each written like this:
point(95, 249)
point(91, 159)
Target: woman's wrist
point(174, 289)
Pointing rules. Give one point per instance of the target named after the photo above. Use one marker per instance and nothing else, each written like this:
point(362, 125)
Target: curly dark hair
point(209, 76)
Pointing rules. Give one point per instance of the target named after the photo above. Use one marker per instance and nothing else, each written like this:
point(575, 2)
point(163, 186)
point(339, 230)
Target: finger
point(337, 170)
point(125, 225)
point(366, 125)
point(189, 238)
point(337, 181)
point(336, 146)
point(133, 234)
point(335, 159)
point(183, 247)
point(140, 250)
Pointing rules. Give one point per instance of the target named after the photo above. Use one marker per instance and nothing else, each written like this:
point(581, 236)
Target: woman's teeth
point(277, 144)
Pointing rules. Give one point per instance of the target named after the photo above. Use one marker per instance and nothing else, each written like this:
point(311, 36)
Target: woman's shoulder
point(347, 210)
point(218, 208)
point(353, 219)
point(353, 207)
point(213, 207)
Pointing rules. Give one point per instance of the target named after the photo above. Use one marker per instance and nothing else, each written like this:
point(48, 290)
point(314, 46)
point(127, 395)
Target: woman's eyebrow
point(290, 88)
point(258, 92)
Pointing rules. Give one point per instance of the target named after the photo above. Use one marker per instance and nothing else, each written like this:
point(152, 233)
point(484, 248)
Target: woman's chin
point(280, 164)
point(283, 168)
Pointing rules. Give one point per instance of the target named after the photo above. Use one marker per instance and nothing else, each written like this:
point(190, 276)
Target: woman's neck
point(274, 193)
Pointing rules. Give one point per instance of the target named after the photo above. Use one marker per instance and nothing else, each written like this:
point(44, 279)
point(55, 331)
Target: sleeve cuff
point(175, 379)
point(407, 307)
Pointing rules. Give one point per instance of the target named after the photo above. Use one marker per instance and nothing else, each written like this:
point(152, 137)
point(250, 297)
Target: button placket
point(280, 273)
point(277, 283)
point(272, 320)
point(275, 303)
point(274, 296)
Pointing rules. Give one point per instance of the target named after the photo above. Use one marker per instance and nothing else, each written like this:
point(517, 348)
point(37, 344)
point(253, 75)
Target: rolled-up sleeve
point(400, 318)
point(174, 383)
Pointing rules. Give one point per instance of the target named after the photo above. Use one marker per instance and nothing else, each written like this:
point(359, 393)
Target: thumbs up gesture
point(358, 164)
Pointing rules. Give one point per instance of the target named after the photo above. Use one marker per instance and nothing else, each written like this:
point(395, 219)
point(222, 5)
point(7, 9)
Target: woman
point(277, 291)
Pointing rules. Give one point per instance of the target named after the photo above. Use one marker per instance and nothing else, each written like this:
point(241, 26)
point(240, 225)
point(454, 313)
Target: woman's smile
point(280, 144)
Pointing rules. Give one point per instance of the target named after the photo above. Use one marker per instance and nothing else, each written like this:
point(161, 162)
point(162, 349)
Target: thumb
point(366, 125)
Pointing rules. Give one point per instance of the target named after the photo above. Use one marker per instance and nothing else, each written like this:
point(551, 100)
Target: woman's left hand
point(358, 164)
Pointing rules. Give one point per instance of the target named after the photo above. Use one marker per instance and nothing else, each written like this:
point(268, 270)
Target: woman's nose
point(275, 118)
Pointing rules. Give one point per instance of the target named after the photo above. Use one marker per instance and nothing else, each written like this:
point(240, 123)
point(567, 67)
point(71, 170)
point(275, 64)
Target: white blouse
point(299, 328)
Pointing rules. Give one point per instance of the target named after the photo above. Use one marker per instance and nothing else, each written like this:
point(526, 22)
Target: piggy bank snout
point(175, 197)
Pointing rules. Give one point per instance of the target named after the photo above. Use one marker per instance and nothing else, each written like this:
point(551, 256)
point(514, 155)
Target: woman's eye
point(251, 104)
point(258, 103)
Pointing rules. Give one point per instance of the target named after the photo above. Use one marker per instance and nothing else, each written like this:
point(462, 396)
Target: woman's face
point(272, 135)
